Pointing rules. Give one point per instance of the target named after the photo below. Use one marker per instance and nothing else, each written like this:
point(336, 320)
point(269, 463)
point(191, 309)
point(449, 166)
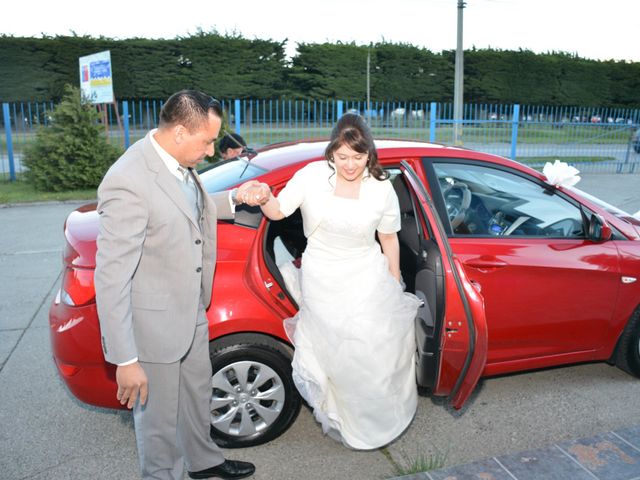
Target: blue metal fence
point(594, 139)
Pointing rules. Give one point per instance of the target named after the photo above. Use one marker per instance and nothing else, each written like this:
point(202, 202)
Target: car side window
point(484, 201)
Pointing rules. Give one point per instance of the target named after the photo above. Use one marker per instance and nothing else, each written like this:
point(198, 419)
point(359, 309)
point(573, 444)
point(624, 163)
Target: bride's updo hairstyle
point(352, 131)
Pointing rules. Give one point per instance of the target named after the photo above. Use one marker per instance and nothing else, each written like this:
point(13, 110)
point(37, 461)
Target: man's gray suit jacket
point(155, 260)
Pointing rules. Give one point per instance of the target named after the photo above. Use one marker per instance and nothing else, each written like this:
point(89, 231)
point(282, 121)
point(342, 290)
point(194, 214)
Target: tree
point(71, 153)
point(411, 74)
point(232, 67)
point(329, 70)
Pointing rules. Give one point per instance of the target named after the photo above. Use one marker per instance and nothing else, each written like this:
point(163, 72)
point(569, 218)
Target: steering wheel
point(457, 199)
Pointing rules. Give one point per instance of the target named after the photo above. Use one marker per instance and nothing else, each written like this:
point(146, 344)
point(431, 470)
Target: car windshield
point(225, 175)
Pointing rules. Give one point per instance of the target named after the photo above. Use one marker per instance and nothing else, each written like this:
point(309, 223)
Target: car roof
point(283, 154)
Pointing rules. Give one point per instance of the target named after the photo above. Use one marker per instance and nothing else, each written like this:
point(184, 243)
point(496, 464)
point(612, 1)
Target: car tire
point(244, 413)
point(628, 358)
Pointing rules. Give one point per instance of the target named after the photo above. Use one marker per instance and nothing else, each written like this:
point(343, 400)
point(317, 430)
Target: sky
point(595, 29)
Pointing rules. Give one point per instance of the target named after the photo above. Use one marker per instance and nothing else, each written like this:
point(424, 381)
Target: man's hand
point(132, 382)
point(254, 193)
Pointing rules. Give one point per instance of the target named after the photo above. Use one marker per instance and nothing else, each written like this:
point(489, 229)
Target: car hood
point(631, 221)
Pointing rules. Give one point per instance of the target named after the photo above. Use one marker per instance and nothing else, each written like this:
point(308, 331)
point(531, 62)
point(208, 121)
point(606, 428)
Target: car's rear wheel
point(629, 346)
point(253, 396)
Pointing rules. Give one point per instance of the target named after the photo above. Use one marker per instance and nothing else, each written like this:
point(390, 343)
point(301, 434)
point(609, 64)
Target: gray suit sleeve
point(223, 205)
point(123, 215)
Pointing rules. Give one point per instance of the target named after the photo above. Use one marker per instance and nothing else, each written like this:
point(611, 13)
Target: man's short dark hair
point(231, 140)
point(189, 108)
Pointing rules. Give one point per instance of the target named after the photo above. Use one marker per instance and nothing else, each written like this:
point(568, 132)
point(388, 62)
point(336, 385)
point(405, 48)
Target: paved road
point(47, 434)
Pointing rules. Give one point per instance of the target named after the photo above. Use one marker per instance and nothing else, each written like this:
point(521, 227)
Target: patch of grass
point(420, 462)
point(23, 192)
point(259, 134)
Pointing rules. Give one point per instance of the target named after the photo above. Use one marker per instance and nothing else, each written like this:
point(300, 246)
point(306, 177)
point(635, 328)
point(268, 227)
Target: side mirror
point(599, 230)
point(249, 152)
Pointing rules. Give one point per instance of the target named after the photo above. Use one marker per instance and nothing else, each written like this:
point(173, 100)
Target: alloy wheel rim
point(247, 398)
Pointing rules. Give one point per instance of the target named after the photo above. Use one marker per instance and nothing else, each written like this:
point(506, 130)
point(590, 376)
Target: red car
point(515, 274)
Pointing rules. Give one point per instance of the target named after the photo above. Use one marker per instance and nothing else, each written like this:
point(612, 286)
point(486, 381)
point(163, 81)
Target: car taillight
point(77, 287)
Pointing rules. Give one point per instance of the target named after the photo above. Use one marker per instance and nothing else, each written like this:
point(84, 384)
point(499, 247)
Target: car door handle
point(485, 263)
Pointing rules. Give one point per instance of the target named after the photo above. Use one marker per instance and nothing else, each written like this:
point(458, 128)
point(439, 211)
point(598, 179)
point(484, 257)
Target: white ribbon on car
point(561, 174)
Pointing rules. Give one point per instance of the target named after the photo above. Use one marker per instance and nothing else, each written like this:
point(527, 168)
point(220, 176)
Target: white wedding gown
point(354, 334)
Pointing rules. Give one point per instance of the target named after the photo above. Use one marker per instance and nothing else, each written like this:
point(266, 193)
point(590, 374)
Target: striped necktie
point(185, 174)
point(190, 190)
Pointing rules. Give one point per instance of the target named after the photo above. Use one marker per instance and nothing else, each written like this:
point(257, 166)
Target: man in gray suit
point(154, 272)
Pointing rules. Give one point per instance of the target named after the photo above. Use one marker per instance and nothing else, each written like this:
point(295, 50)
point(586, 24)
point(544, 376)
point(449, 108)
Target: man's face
point(193, 147)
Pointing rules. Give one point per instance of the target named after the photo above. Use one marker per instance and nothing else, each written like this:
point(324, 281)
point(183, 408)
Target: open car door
point(451, 329)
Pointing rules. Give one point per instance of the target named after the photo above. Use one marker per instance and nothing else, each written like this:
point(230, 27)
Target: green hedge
point(230, 67)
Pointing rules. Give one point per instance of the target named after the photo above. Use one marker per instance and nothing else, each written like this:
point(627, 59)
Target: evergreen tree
point(72, 152)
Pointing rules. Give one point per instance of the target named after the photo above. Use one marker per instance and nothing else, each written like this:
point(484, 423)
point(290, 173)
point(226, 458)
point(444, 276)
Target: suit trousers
point(173, 427)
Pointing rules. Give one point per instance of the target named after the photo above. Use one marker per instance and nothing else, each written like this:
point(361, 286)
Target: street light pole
point(369, 85)
point(459, 82)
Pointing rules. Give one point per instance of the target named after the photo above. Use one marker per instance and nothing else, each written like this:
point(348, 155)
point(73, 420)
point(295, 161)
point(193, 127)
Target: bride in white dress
point(354, 334)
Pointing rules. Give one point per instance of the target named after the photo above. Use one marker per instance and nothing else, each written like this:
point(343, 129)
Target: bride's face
point(350, 165)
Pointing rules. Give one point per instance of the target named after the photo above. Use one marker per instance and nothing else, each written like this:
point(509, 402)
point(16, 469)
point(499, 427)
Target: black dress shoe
point(228, 469)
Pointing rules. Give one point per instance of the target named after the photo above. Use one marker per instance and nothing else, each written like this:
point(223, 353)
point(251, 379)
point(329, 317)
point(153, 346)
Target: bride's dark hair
point(352, 131)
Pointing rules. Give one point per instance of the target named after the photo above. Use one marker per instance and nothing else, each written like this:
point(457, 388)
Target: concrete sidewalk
point(614, 455)
point(620, 190)
point(47, 434)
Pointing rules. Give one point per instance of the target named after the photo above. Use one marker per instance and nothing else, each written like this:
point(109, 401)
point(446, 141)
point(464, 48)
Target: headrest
point(404, 198)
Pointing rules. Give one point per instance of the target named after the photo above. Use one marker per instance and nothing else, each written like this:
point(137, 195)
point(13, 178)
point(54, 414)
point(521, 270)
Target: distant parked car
point(515, 274)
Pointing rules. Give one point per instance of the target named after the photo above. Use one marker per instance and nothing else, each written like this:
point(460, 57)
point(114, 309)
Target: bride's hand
point(254, 193)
